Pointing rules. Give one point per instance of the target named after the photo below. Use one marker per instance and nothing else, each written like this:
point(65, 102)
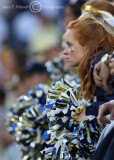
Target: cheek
point(72, 50)
point(73, 56)
point(76, 57)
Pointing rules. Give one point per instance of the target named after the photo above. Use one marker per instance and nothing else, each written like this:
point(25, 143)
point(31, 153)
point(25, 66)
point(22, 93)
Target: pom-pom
point(28, 122)
point(70, 139)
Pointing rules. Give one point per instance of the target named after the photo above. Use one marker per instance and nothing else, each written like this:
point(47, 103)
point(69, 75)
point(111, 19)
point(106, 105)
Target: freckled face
point(73, 51)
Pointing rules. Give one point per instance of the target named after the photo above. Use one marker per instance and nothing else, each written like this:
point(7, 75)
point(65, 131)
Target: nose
point(62, 56)
point(65, 51)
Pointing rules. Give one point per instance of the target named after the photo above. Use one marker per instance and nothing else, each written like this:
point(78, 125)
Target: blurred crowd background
point(30, 35)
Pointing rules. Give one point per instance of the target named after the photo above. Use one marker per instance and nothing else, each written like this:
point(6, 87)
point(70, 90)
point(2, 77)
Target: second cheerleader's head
point(100, 11)
point(85, 39)
point(100, 15)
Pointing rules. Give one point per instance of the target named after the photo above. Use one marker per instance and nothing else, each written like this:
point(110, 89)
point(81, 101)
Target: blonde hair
point(95, 13)
point(101, 5)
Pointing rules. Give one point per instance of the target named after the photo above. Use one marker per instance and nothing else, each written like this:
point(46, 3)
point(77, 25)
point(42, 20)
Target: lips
point(67, 59)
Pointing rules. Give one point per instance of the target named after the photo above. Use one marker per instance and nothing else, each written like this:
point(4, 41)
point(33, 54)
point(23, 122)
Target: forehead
point(71, 35)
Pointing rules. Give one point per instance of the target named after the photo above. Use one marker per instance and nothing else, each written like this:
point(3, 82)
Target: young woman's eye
point(69, 44)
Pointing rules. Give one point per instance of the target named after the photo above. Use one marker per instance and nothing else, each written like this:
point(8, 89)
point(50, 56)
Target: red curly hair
point(93, 36)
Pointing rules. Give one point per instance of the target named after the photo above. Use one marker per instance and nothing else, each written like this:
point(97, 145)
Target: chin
point(74, 65)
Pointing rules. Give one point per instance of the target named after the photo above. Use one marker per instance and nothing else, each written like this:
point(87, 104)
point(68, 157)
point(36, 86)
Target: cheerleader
point(73, 134)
